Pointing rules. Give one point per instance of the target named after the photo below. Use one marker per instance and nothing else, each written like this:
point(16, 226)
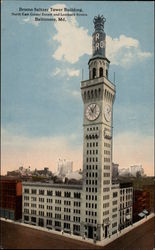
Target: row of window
point(106, 152)
point(92, 159)
point(128, 197)
point(91, 174)
point(106, 212)
point(91, 213)
point(126, 190)
point(49, 193)
point(91, 182)
point(87, 220)
point(92, 128)
point(91, 189)
point(125, 204)
point(91, 197)
point(106, 197)
point(92, 152)
point(106, 182)
point(106, 174)
point(93, 167)
point(105, 205)
point(106, 167)
point(49, 223)
point(92, 144)
point(107, 145)
point(91, 205)
point(106, 159)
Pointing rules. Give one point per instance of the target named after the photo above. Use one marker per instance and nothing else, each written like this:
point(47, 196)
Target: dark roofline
point(98, 57)
point(126, 184)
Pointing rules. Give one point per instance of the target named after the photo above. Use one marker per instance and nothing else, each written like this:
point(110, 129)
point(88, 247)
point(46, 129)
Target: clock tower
point(98, 94)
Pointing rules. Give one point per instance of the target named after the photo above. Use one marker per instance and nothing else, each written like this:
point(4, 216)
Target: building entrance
point(106, 231)
point(90, 232)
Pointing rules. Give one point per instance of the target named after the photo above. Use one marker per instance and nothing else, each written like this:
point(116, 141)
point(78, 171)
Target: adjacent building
point(136, 170)
point(141, 204)
point(10, 198)
point(92, 209)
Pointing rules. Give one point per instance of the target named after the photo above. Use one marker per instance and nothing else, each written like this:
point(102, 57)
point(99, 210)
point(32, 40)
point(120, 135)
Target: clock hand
point(94, 107)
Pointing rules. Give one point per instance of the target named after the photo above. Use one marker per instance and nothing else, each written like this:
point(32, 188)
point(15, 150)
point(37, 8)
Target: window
point(33, 212)
point(33, 191)
point(114, 202)
point(33, 198)
point(67, 194)
point(41, 206)
point(41, 192)
point(26, 198)
point(26, 210)
point(114, 224)
point(58, 216)
point(66, 226)
point(26, 218)
point(49, 214)
point(49, 192)
point(58, 193)
point(33, 205)
point(33, 219)
point(94, 73)
point(76, 227)
point(57, 224)
point(41, 213)
point(77, 195)
point(67, 203)
point(49, 222)
point(41, 199)
point(26, 191)
point(105, 197)
point(57, 201)
point(114, 194)
point(114, 216)
point(41, 222)
point(67, 217)
point(101, 72)
point(106, 73)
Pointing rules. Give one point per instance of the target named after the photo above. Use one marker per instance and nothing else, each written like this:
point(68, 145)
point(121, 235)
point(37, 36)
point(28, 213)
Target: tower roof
point(99, 22)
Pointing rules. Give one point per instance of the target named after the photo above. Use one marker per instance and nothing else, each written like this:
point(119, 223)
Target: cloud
point(124, 51)
point(74, 41)
point(38, 152)
point(70, 72)
point(133, 148)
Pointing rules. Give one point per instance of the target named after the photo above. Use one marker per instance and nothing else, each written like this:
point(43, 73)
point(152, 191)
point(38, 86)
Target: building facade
point(126, 205)
point(11, 198)
point(93, 209)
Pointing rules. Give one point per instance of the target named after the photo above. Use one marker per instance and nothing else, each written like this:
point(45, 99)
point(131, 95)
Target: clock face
point(107, 112)
point(92, 112)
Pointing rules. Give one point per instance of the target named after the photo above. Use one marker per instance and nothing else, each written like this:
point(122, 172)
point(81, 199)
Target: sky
point(42, 62)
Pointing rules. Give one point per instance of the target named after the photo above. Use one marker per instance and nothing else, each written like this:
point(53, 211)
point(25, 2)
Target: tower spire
point(99, 36)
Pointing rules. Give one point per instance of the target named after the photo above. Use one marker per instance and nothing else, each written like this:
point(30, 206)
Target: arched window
point(101, 72)
point(106, 73)
point(94, 73)
point(89, 74)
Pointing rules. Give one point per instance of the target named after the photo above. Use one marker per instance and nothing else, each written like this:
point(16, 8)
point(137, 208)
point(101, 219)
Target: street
point(19, 237)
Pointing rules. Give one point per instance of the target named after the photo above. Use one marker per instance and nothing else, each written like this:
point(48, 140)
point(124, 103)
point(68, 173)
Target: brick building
point(141, 202)
point(10, 198)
